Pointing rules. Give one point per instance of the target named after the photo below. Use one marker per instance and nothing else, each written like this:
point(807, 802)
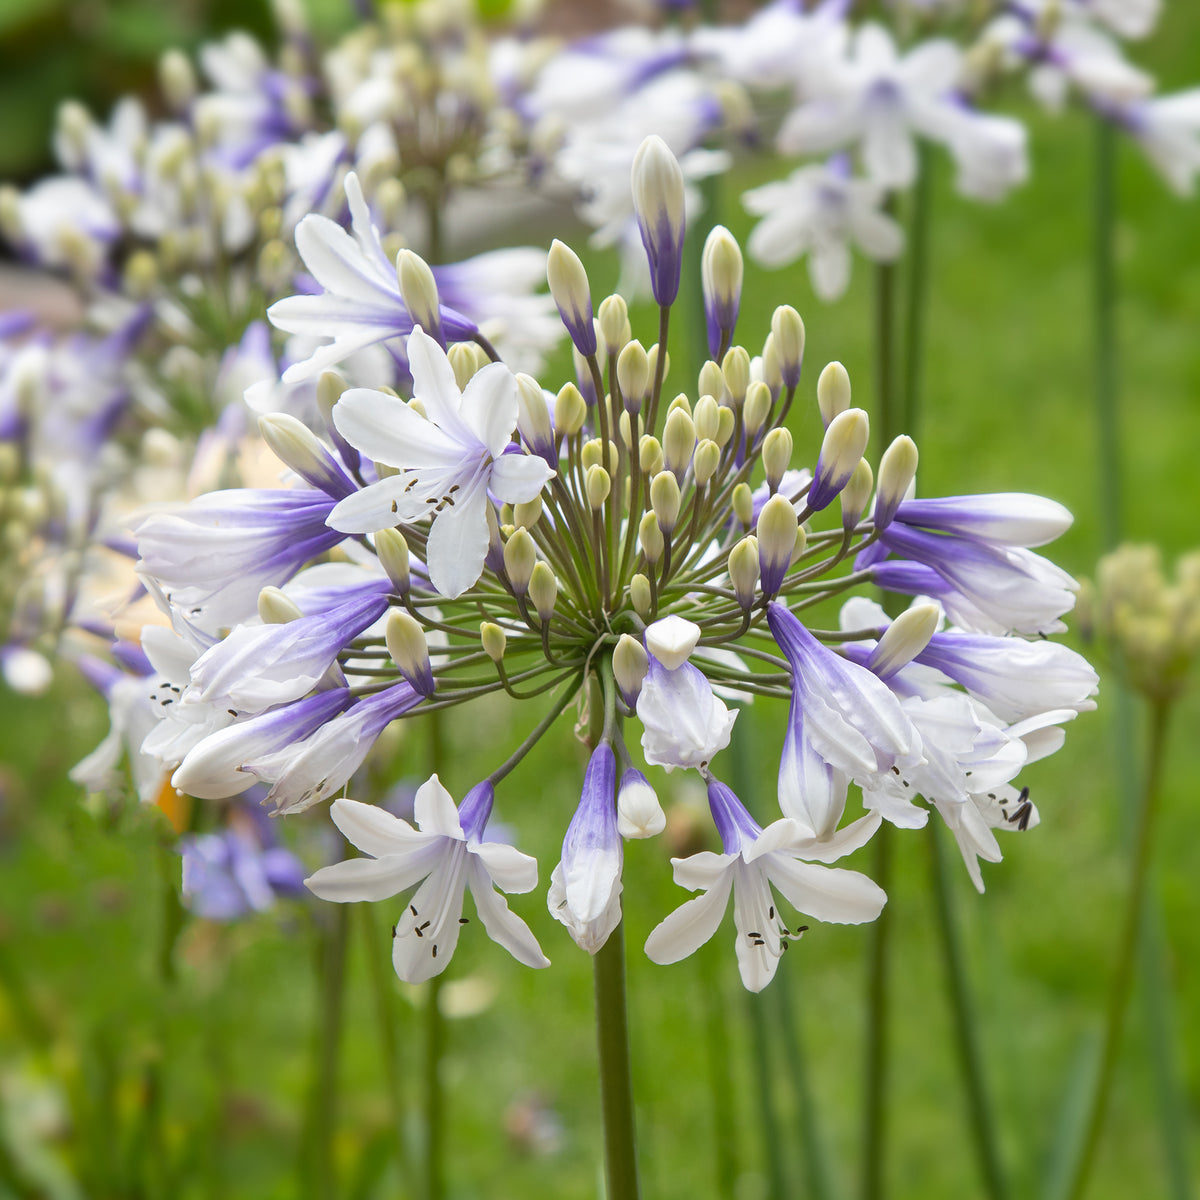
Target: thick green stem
point(616, 1082)
point(320, 1170)
point(720, 1073)
point(966, 1034)
point(1127, 952)
point(435, 1033)
point(382, 989)
point(874, 1113)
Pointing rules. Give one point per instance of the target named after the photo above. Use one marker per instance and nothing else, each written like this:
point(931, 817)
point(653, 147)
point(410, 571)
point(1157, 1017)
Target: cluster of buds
point(645, 558)
point(1149, 626)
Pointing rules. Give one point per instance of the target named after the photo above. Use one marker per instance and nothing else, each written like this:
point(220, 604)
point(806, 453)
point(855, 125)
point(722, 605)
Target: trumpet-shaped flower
point(448, 462)
point(755, 860)
point(445, 855)
point(683, 723)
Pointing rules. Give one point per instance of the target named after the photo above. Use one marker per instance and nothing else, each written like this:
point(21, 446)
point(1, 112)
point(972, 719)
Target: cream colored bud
point(409, 650)
point(776, 456)
point(712, 382)
point(615, 329)
point(630, 666)
point(705, 461)
point(640, 595)
point(392, 551)
point(707, 416)
point(726, 423)
point(533, 416)
point(633, 374)
point(843, 445)
point(418, 407)
point(418, 289)
point(658, 201)
point(721, 271)
point(274, 608)
point(598, 484)
point(743, 570)
point(897, 470)
point(855, 495)
point(330, 386)
point(742, 503)
point(140, 275)
point(493, 639)
point(833, 391)
point(520, 555)
point(639, 814)
point(756, 407)
point(543, 590)
point(570, 410)
point(293, 443)
point(801, 543)
point(625, 428)
point(650, 537)
point(572, 294)
point(679, 441)
point(177, 79)
point(735, 366)
point(772, 374)
point(597, 453)
point(904, 639)
point(652, 358)
point(682, 402)
point(777, 526)
point(650, 455)
point(528, 513)
point(462, 363)
point(788, 331)
point(664, 500)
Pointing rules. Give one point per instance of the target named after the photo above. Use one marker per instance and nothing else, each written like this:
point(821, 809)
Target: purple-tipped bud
point(721, 270)
point(845, 441)
point(658, 202)
point(569, 286)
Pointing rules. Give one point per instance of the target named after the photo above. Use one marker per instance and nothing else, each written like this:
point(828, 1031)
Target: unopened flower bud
point(776, 456)
point(904, 639)
point(706, 415)
point(743, 570)
point(845, 441)
point(598, 484)
point(801, 544)
point(671, 640)
point(664, 500)
point(330, 386)
point(772, 373)
point(462, 362)
point(833, 391)
point(640, 595)
point(569, 286)
point(570, 410)
point(639, 814)
point(533, 420)
point(735, 366)
point(177, 80)
point(543, 590)
point(856, 494)
point(788, 331)
point(633, 375)
point(712, 381)
point(392, 551)
point(493, 639)
point(418, 289)
point(652, 358)
point(626, 429)
point(726, 423)
point(721, 271)
point(416, 404)
point(528, 513)
point(410, 652)
point(295, 444)
point(679, 440)
point(630, 665)
point(705, 461)
point(614, 323)
point(658, 202)
point(650, 537)
point(776, 531)
point(274, 608)
point(742, 503)
point(756, 407)
point(650, 455)
point(897, 469)
point(520, 555)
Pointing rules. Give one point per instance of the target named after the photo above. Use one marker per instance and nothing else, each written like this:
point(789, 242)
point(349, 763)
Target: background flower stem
point(616, 1083)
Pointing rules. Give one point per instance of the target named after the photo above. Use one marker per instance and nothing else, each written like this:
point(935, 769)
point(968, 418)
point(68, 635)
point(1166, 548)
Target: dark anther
point(427, 925)
point(435, 952)
point(464, 920)
point(232, 712)
point(771, 912)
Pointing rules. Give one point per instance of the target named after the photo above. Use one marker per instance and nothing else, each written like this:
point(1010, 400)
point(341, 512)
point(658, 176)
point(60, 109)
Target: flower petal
point(503, 926)
point(685, 930)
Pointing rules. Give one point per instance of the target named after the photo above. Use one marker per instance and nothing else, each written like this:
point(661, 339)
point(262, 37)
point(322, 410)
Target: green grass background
point(86, 1018)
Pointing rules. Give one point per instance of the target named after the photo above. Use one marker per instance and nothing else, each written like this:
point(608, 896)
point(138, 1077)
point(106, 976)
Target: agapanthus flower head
point(502, 537)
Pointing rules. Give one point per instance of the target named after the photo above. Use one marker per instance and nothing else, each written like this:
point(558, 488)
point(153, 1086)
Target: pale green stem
point(1127, 952)
point(616, 1081)
point(720, 1073)
point(385, 1011)
point(320, 1168)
